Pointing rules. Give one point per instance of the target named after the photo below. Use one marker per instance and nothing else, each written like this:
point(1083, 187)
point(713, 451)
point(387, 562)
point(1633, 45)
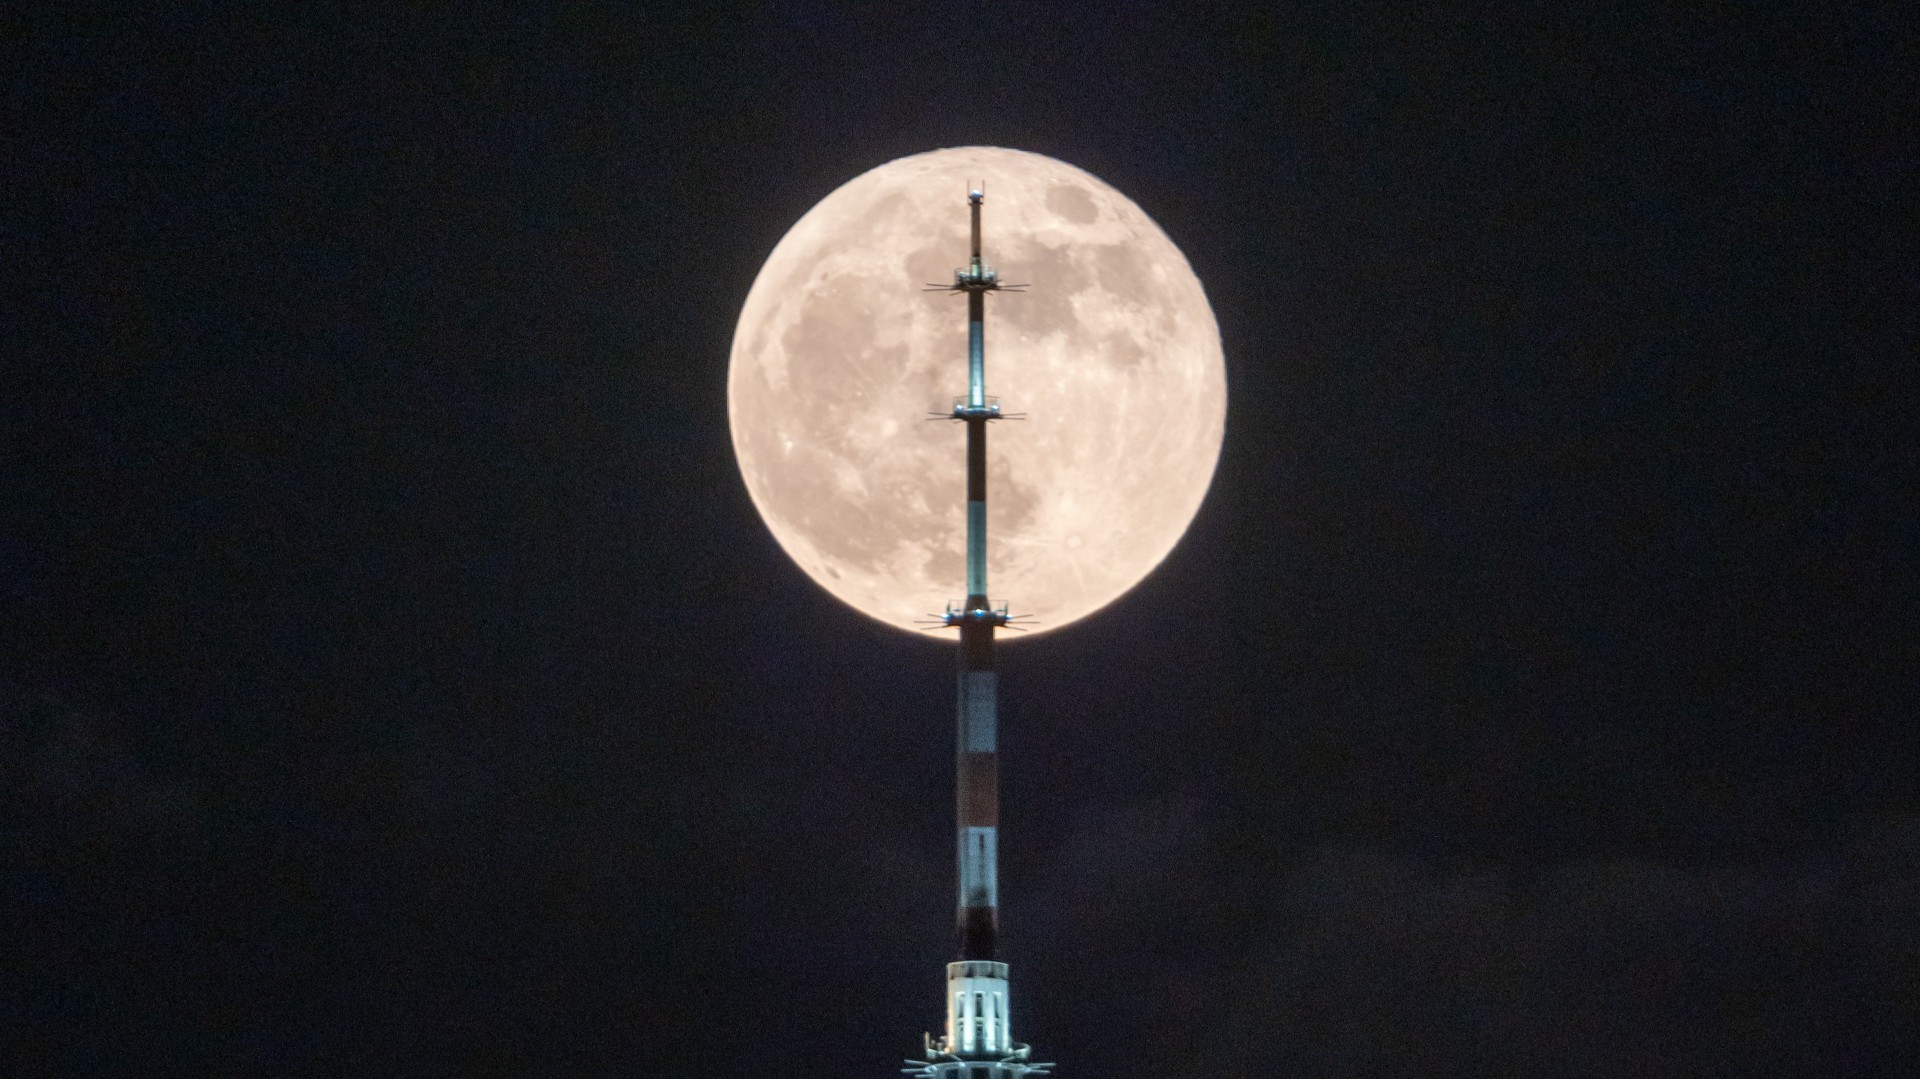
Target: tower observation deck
point(978, 1042)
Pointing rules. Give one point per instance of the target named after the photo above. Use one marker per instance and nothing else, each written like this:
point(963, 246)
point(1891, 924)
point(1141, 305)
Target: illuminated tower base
point(979, 1041)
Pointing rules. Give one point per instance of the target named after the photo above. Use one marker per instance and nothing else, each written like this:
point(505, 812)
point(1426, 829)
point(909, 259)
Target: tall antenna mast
point(978, 1043)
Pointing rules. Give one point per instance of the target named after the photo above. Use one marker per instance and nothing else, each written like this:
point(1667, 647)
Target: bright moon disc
point(1112, 354)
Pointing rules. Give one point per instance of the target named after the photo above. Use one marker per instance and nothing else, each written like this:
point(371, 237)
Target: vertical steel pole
point(978, 772)
point(978, 1043)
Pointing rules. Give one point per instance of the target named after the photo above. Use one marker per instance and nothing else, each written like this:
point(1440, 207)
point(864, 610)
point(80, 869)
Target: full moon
point(1112, 355)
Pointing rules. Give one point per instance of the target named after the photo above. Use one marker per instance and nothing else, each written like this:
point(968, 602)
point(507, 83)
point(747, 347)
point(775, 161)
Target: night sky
point(397, 680)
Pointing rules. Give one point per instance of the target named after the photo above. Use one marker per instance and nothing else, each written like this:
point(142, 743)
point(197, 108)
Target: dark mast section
point(978, 1043)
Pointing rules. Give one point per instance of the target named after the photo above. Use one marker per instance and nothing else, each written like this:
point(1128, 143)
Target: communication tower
point(978, 1043)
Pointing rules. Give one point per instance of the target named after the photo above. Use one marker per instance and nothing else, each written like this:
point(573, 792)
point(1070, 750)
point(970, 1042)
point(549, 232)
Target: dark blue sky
point(398, 681)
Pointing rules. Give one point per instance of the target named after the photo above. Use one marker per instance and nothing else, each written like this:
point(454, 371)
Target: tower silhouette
point(978, 1043)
